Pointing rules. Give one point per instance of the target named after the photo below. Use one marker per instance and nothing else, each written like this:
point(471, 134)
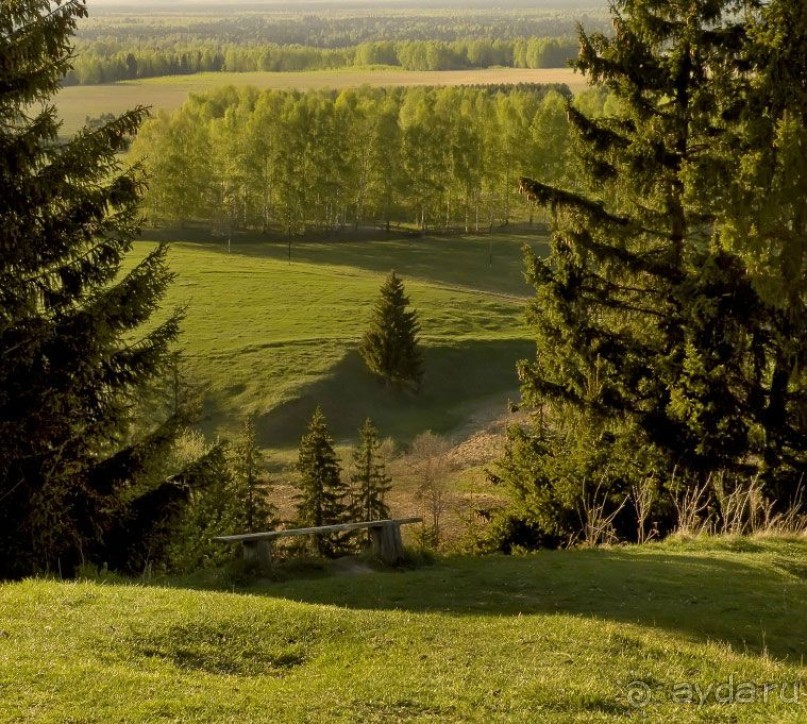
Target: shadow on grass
point(457, 377)
point(491, 263)
point(754, 605)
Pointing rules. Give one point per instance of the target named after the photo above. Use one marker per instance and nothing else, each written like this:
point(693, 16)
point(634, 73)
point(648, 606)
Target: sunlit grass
point(549, 637)
point(276, 337)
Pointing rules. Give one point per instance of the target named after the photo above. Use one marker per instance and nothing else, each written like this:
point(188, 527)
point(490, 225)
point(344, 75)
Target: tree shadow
point(755, 608)
point(492, 263)
point(459, 378)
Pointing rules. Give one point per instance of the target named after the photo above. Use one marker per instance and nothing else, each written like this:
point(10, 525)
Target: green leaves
point(292, 163)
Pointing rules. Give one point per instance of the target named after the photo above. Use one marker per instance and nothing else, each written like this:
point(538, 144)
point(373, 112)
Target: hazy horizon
point(296, 4)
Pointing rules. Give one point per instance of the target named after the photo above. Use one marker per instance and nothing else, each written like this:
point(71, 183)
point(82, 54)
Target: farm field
point(76, 103)
point(712, 630)
point(277, 337)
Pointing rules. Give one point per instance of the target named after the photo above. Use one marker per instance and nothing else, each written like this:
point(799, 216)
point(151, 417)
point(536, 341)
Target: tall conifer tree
point(763, 217)
point(390, 345)
point(369, 478)
point(252, 479)
point(651, 334)
point(74, 356)
point(322, 493)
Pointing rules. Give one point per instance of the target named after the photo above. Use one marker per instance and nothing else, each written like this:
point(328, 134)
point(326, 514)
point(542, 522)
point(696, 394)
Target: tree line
point(332, 27)
point(109, 62)
point(292, 162)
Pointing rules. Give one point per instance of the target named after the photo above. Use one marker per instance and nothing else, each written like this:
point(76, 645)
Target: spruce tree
point(78, 479)
point(389, 347)
point(651, 334)
point(253, 481)
point(322, 493)
point(369, 478)
point(763, 218)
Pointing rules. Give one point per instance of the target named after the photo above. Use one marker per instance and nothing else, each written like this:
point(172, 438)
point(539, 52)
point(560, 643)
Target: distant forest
point(337, 28)
point(115, 46)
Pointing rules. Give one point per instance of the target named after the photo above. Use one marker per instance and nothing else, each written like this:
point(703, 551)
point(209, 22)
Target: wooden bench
point(385, 536)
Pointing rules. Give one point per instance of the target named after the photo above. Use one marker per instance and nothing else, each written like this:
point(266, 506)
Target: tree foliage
point(653, 329)
point(322, 497)
point(332, 27)
point(212, 509)
point(430, 461)
point(234, 499)
point(290, 163)
point(252, 481)
point(369, 477)
point(117, 46)
point(390, 347)
point(763, 219)
point(82, 475)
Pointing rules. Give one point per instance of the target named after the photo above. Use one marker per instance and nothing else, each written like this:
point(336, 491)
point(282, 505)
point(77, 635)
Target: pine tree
point(370, 480)
point(77, 476)
point(650, 332)
point(322, 493)
point(390, 348)
point(253, 481)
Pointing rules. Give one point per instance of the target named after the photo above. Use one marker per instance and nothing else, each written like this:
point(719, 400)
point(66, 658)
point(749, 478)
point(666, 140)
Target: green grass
point(75, 103)
point(549, 637)
point(277, 337)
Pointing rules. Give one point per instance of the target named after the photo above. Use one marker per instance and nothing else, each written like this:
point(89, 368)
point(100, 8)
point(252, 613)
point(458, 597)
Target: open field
point(75, 103)
point(683, 632)
point(276, 337)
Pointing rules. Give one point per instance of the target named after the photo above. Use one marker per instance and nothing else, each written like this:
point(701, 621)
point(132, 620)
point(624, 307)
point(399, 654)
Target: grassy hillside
point(550, 637)
point(278, 337)
point(75, 103)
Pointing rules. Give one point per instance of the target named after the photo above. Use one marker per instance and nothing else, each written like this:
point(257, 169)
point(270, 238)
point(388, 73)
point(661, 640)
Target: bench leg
point(258, 553)
point(387, 543)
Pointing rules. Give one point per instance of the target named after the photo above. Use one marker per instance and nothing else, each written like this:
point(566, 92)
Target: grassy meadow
point(710, 631)
point(76, 103)
point(275, 336)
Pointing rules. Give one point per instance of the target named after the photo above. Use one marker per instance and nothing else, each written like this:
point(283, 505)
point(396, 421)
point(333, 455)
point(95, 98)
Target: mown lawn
point(604, 635)
point(278, 337)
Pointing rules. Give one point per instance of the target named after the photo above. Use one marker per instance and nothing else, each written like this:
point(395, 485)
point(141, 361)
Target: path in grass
point(276, 337)
point(75, 103)
point(552, 637)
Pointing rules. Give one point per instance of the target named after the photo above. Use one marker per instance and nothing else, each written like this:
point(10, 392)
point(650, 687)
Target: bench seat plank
point(385, 535)
point(338, 527)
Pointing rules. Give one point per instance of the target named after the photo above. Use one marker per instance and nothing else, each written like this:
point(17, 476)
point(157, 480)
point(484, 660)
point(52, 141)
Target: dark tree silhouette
point(78, 470)
point(657, 346)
